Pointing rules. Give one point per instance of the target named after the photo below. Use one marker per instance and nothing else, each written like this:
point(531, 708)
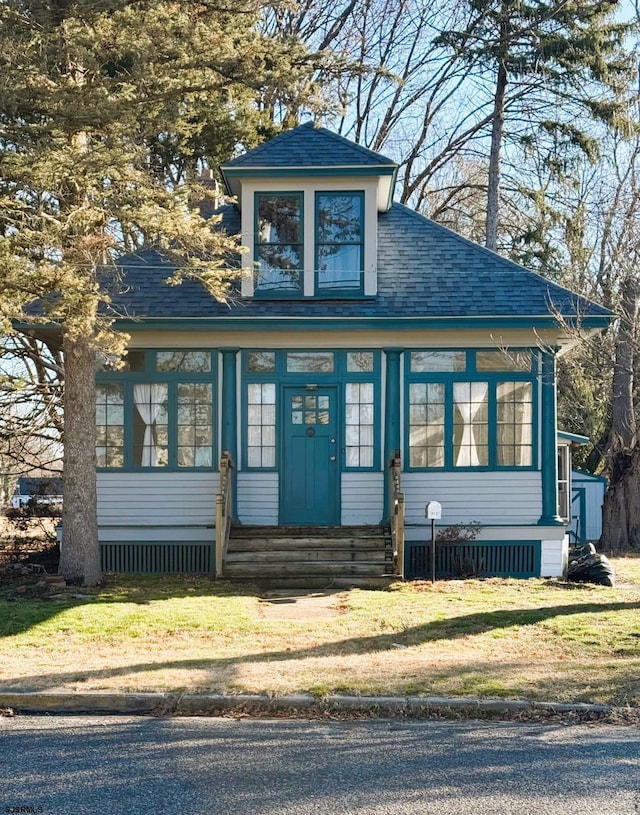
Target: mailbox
point(433, 511)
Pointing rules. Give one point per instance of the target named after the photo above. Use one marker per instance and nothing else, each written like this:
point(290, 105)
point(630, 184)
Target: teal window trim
point(128, 379)
point(277, 294)
point(346, 292)
point(339, 377)
point(492, 378)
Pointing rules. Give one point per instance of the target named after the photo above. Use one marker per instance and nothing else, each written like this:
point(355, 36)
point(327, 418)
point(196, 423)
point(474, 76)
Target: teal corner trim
point(229, 430)
point(391, 418)
point(549, 459)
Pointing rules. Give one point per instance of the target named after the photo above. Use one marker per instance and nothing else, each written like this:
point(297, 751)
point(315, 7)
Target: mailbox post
point(433, 513)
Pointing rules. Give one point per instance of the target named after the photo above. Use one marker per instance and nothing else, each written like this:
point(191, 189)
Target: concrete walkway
point(302, 606)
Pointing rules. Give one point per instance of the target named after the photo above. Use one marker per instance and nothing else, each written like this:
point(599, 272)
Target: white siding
point(157, 499)
point(554, 557)
point(487, 497)
point(362, 498)
point(258, 498)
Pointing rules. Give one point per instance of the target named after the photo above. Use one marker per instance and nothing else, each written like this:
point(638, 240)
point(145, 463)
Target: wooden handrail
point(223, 511)
point(396, 513)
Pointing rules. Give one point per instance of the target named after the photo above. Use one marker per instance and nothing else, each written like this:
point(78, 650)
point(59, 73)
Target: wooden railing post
point(396, 513)
point(224, 508)
point(400, 535)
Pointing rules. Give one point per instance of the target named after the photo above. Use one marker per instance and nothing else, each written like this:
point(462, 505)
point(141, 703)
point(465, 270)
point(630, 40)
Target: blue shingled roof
point(308, 146)
point(424, 270)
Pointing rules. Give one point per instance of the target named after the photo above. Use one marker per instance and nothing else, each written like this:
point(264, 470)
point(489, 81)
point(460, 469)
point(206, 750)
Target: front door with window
point(309, 469)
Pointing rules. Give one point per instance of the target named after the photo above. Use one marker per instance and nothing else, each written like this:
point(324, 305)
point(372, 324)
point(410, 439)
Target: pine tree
point(559, 55)
point(106, 109)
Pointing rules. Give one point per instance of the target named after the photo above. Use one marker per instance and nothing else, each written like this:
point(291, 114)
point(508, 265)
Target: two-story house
point(364, 333)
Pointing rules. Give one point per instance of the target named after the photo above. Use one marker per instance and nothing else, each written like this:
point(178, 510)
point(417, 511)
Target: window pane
point(150, 425)
point(318, 362)
point(260, 361)
point(514, 424)
point(110, 425)
point(279, 219)
point(426, 425)
point(261, 424)
point(339, 218)
point(278, 253)
point(470, 438)
point(359, 429)
point(503, 361)
point(438, 361)
point(339, 267)
point(195, 427)
point(278, 268)
point(360, 361)
point(196, 361)
point(339, 240)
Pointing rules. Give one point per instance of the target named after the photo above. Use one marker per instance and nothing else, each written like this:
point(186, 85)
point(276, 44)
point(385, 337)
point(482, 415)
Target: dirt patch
point(302, 606)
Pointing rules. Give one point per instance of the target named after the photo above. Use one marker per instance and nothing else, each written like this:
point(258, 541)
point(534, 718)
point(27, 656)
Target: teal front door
point(309, 468)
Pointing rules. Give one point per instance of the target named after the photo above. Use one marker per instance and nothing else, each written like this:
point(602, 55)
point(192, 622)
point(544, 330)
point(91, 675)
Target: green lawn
point(533, 639)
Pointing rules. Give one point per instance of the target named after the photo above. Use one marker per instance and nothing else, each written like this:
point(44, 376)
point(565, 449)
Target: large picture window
point(463, 412)
point(278, 250)
point(157, 412)
point(339, 241)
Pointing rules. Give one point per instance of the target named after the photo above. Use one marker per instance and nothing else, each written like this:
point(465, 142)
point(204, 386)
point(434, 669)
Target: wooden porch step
point(306, 557)
point(319, 583)
point(287, 554)
point(324, 532)
point(329, 568)
point(304, 544)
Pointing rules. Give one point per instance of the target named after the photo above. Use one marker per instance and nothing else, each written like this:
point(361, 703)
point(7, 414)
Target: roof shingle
point(424, 270)
point(308, 146)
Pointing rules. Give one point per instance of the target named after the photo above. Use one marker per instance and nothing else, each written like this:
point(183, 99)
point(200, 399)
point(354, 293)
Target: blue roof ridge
point(506, 261)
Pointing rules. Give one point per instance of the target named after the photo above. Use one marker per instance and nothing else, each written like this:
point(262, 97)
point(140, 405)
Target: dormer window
point(279, 245)
point(339, 246)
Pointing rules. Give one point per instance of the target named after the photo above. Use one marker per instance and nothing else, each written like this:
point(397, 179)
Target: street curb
point(186, 704)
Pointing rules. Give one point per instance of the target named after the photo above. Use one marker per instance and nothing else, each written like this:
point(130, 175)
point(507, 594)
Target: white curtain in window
point(148, 400)
point(469, 397)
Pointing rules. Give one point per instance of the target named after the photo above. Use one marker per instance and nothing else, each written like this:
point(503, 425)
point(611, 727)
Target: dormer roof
point(309, 151)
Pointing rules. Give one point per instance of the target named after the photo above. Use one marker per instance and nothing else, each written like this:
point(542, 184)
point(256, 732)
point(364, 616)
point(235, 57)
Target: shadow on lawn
point(451, 629)
point(21, 612)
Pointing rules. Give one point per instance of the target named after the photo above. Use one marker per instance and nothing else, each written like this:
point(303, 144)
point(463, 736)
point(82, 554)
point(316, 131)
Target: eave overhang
point(350, 323)
point(385, 173)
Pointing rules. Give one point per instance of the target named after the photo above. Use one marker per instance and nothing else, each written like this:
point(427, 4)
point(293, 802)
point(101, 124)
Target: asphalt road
point(114, 765)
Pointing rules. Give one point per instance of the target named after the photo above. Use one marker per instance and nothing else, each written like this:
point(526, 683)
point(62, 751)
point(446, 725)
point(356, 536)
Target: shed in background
point(587, 496)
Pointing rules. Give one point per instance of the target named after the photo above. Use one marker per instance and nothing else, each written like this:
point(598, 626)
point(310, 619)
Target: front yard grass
point(515, 639)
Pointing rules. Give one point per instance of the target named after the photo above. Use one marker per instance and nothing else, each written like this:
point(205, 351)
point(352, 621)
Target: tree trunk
point(80, 553)
point(621, 509)
point(493, 185)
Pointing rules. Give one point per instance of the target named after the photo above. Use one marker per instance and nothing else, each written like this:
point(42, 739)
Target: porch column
point(549, 429)
point(392, 402)
point(229, 413)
